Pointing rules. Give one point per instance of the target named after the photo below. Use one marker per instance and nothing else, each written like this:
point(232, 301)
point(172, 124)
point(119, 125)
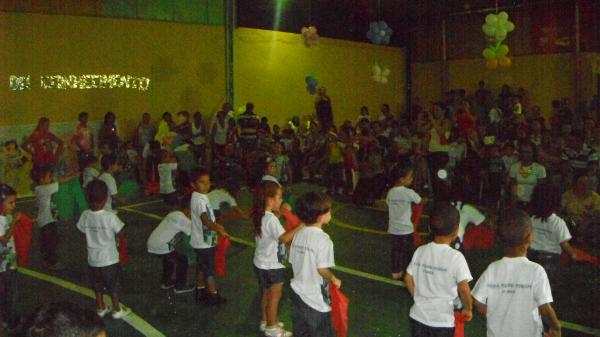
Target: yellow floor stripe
point(132, 319)
point(373, 277)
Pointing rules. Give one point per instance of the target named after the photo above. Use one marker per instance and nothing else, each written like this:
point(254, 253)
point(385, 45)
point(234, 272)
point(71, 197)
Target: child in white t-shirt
point(550, 233)
point(101, 228)
point(269, 255)
point(168, 164)
point(399, 200)
point(220, 197)
point(47, 217)
point(110, 167)
point(89, 171)
point(436, 276)
point(203, 238)
point(8, 257)
point(513, 292)
point(311, 256)
point(162, 243)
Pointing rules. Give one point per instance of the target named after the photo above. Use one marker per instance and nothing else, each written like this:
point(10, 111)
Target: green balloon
point(509, 26)
point(502, 51)
point(502, 16)
point(500, 34)
point(491, 19)
point(489, 53)
point(488, 30)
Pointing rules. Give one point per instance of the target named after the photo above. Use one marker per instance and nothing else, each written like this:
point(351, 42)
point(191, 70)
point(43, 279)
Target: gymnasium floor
point(378, 305)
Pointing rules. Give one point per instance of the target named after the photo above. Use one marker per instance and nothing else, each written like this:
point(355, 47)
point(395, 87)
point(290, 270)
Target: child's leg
point(9, 296)
point(264, 302)
point(407, 250)
point(96, 280)
point(181, 267)
point(168, 270)
point(273, 298)
point(199, 270)
point(100, 301)
point(307, 321)
point(396, 256)
point(112, 281)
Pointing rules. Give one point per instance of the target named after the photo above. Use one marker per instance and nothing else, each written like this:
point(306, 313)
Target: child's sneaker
point(277, 331)
point(263, 325)
point(184, 289)
point(103, 312)
point(215, 299)
point(121, 313)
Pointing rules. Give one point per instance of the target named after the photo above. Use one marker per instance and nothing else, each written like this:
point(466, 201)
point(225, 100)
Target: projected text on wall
point(88, 81)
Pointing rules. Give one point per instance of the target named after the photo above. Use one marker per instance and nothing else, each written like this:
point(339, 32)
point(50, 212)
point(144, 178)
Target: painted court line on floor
point(132, 319)
point(373, 277)
point(340, 223)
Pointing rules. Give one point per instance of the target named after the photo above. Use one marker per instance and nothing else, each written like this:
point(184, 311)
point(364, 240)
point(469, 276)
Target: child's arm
point(549, 317)
point(410, 284)
point(328, 275)
point(482, 308)
point(9, 232)
point(289, 234)
point(464, 291)
point(566, 246)
point(213, 226)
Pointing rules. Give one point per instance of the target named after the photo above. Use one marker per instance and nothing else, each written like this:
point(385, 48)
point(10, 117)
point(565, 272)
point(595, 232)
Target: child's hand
point(467, 315)
point(554, 333)
point(336, 282)
point(285, 207)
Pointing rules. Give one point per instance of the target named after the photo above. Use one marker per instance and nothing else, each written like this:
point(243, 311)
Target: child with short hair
point(399, 200)
point(283, 172)
point(162, 242)
point(47, 217)
point(109, 167)
point(101, 228)
point(168, 164)
point(204, 238)
point(514, 293)
point(311, 256)
point(83, 137)
point(8, 258)
point(436, 276)
point(226, 196)
point(269, 255)
point(89, 171)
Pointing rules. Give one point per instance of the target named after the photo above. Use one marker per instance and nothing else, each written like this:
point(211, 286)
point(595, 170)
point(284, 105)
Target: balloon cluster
point(311, 84)
point(380, 73)
point(310, 35)
point(379, 32)
point(496, 27)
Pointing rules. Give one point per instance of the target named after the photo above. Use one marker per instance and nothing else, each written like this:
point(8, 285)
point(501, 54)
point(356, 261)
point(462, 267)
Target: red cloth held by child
point(220, 264)
point(291, 220)
point(459, 324)
point(582, 256)
point(123, 251)
point(339, 310)
point(22, 238)
point(417, 212)
point(479, 237)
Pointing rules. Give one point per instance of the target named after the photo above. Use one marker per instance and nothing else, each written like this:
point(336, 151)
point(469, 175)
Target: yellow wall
point(546, 77)
point(183, 61)
point(270, 69)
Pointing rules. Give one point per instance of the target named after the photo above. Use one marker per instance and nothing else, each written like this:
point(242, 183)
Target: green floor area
point(377, 308)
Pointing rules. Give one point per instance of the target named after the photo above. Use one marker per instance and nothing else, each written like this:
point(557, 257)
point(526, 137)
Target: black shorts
point(106, 279)
point(205, 259)
point(269, 277)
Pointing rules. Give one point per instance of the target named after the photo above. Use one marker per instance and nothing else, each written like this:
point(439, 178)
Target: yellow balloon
point(492, 64)
point(505, 62)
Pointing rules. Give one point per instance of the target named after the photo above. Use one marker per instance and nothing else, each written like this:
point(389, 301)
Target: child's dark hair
point(97, 194)
point(63, 319)
point(400, 171)
point(444, 219)
point(267, 189)
point(311, 205)
point(6, 191)
point(37, 173)
point(545, 200)
point(198, 172)
point(108, 161)
point(513, 227)
point(82, 114)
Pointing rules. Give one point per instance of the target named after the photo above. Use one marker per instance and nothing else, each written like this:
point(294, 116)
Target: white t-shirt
point(201, 237)
point(269, 252)
point(219, 196)
point(165, 173)
point(164, 237)
point(468, 215)
point(100, 228)
point(89, 174)
point(46, 208)
point(526, 177)
point(8, 253)
point(400, 200)
point(111, 184)
point(311, 249)
point(548, 235)
point(437, 270)
point(513, 289)
point(270, 178)
point(221, 133)
point(282, 166)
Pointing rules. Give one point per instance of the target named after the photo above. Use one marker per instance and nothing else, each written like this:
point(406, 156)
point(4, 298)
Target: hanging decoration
point(310, 35)
point(496, 28)
point(311, 84)
point(379, 32)
point(380, 73)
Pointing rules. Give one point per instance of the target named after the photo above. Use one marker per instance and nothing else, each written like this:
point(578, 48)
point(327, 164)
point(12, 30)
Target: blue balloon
point(379, 32)
point(311, 89)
